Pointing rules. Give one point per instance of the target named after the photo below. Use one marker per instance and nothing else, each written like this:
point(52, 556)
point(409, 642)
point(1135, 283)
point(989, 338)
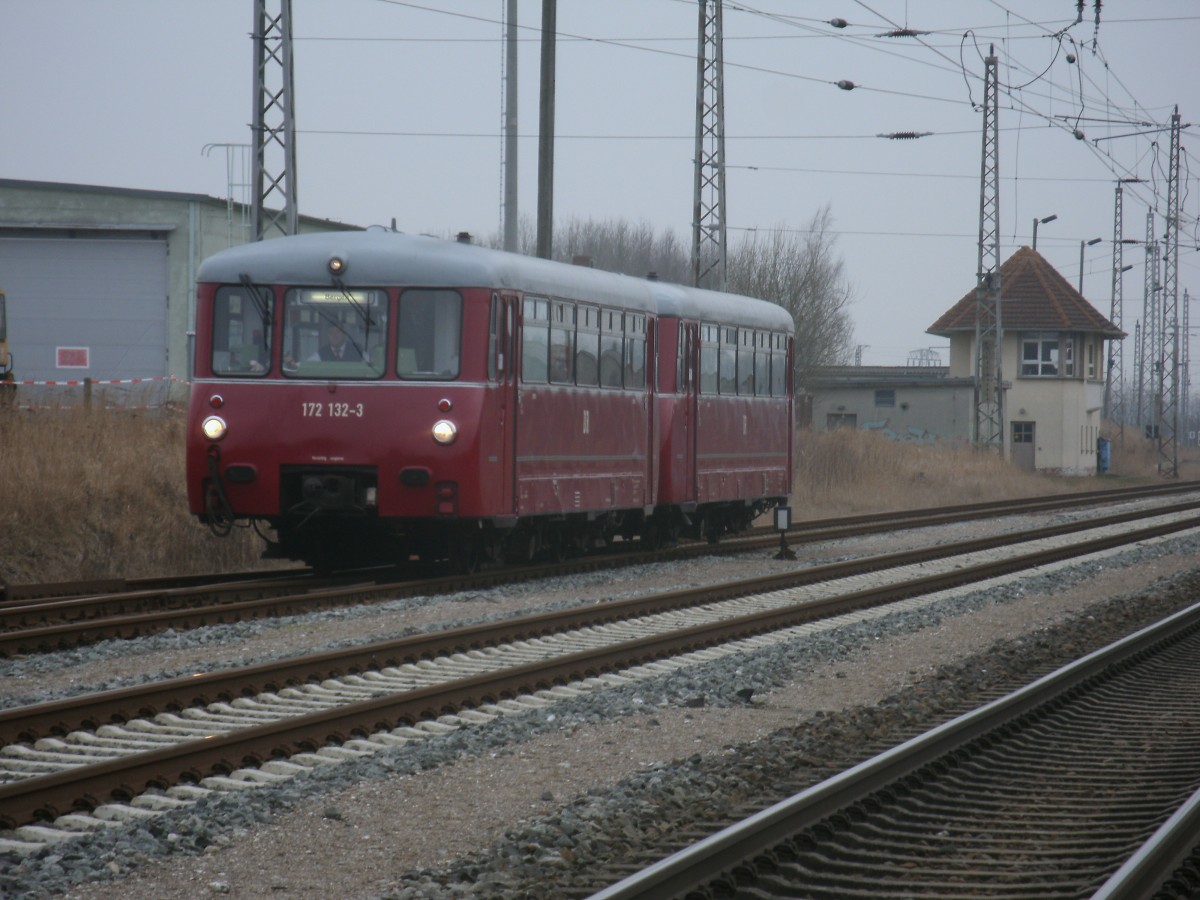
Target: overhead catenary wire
point(1024, 96)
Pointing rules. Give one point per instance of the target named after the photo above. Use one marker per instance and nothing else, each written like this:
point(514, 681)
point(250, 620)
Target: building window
point(1091, 358)
point(1039, 354)
point(885, 398)
point(1022, 432)
point(834, 421)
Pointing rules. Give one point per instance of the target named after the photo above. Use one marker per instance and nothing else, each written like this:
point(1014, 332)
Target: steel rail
point(77, 599)
point(46, 796)
point(709, 859)
point(83, 628)
point(1144, 873)
point(28, 723)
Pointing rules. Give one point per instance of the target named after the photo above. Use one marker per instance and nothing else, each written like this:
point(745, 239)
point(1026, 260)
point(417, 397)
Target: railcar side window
point(779, 365)
point(429, 335)
point(241, 336)
point(334, 333)
point(762, 363)
point(745, 370)
point(728, 380)
point(587, 346)
point(535, 340)
point(681, 361)
point(709, 355)
point(562, 339)
point(612, 334)
point(494, 363)
point(635, 350)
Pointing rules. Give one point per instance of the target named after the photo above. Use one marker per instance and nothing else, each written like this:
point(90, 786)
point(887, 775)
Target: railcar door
point(687, 387)
point(504, 365)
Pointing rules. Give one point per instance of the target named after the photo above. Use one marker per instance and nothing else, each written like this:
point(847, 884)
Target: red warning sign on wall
point(71, 357)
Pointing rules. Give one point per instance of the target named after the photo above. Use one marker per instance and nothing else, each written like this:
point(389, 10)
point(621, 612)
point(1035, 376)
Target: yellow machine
point(6, 373)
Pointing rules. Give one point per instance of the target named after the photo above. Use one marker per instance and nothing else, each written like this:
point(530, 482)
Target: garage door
point(88, 306)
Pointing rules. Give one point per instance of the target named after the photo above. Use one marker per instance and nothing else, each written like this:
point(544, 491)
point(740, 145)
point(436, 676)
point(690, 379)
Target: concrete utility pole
point(545, 215)
point(989, 331)
point(1168, 435)
point(273, 132)
point(708, 196)
point(510, 128)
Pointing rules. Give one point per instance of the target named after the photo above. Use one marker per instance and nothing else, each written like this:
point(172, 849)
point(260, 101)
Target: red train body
point(486, 405)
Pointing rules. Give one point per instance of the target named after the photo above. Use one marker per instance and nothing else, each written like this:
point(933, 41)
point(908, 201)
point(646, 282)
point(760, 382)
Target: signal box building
point(1053, 367)
point(1052, 363)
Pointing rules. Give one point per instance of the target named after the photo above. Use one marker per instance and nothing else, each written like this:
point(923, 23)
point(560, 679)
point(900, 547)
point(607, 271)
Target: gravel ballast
point(528, 805)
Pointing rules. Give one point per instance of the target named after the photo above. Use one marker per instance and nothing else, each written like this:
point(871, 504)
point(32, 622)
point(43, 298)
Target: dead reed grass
point(94, 494)
point(852, 472)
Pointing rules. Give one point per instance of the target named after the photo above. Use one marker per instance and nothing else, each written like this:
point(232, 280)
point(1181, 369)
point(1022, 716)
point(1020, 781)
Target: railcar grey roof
point(376, 258)
point(696, 303)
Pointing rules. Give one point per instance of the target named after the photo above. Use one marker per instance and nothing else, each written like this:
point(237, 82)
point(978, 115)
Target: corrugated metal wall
point(87, 298)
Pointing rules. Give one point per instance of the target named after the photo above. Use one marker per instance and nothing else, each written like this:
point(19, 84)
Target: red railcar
point(375, 396)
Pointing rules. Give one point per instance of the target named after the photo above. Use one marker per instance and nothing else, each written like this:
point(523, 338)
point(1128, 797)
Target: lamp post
point(1037, 222)
point(1083, 244)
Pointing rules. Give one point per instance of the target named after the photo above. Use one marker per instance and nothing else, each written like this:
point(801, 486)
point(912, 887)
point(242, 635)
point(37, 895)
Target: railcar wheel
point(555, 545)
point(466, 553)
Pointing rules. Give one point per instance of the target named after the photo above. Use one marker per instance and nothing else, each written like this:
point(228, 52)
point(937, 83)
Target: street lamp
point(1083, 244)
point(1037, 222)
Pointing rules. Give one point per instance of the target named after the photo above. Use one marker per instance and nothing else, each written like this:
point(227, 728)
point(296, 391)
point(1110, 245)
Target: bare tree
point(615, 246)
point(794, 268)
point(799, 270)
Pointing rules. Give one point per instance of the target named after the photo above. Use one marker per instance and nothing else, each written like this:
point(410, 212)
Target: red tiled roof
point(1033, 297)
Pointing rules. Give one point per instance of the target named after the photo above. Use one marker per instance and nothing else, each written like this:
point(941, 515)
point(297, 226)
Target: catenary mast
point(989, 333)
point(708, 196)
point(273, 132)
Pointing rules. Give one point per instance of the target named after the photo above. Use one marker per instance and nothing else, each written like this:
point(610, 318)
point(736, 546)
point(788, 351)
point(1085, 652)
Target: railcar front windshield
point(241, 335)
point(335, 333)
point(429, 334)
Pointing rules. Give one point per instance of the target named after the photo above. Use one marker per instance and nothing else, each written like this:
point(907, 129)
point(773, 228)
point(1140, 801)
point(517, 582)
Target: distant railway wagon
point(373, 396)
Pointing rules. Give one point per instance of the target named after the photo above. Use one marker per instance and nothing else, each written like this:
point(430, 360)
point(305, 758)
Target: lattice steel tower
point(989, 331)
point(708, 197)
point(1168, 435)
point(1114, 388)
point(273, 132)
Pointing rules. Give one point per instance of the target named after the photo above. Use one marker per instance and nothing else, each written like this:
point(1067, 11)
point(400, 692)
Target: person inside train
point(336, 346)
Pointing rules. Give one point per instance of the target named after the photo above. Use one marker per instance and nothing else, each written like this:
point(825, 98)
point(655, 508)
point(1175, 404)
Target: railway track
point(1082, 784)
point(46, 618)
point(165, 744)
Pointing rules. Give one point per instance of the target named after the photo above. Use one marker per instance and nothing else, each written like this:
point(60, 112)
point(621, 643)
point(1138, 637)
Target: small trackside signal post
point(783, 521)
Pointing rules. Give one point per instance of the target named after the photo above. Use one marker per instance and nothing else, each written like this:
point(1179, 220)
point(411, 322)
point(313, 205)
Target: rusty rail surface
point(47, 796)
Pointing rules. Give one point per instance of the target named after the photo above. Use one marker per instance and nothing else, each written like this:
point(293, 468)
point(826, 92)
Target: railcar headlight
point(214, 428)
point(444, 431)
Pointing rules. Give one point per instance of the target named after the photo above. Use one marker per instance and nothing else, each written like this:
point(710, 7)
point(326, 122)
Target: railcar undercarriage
point(330, 540)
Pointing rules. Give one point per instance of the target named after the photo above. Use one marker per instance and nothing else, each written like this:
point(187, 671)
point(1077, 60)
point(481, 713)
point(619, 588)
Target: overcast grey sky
point(398, 110)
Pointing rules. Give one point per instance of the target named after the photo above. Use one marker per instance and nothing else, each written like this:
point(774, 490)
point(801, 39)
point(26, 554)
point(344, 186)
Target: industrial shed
point(907, 403)
point(101, 280)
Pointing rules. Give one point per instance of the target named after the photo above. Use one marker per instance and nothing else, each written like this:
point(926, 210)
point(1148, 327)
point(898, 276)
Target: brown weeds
point(93, 494)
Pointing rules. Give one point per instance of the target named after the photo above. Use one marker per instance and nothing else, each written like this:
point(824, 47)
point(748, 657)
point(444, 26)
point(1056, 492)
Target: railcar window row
point(563, 342)
point(742, 361)
point(338, 333)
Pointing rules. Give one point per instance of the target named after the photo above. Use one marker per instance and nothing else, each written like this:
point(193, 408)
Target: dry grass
point(853, 472)
point(93, 494)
